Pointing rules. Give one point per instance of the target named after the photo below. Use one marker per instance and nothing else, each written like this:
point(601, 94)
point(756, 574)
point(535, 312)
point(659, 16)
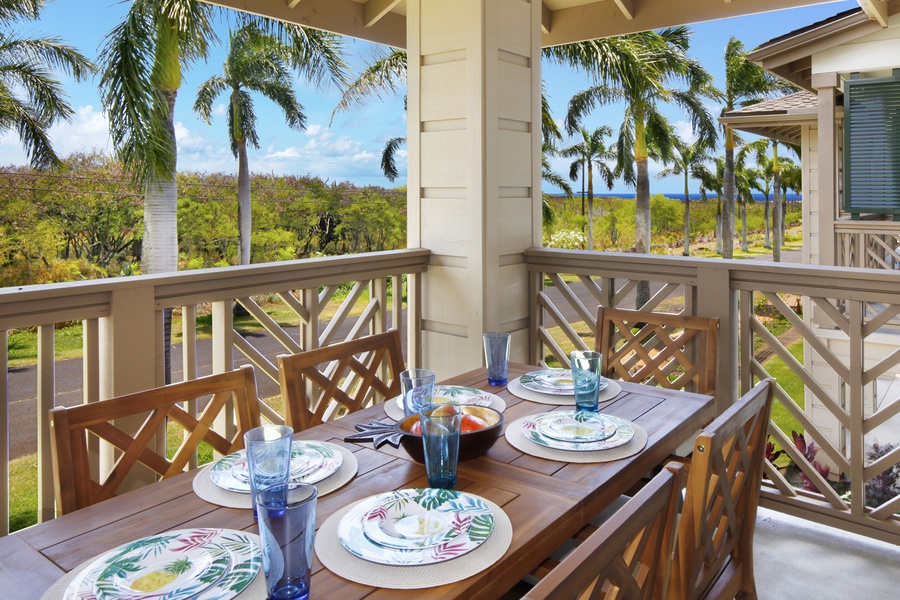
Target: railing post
point(414, 320)
point(46, 389)
point(4, 438)
point(719, 300)
point(223, 358)
point(129, 345)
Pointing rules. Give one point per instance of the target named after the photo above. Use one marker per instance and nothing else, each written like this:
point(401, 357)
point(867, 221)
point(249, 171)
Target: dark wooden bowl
point(472, 444)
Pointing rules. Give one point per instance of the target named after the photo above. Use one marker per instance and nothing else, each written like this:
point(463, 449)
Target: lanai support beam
point(474, 171)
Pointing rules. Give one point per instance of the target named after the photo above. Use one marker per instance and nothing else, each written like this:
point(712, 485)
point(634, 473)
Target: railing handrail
point(24, 306)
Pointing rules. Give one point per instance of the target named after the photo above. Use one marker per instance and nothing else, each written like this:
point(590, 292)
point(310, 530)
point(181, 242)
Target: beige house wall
point(474, 171)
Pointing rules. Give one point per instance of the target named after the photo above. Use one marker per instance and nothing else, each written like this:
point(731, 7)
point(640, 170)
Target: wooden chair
point(629, 556)
point(70, 429)
point(359, 373)
point(714, 553)
point(671, 351)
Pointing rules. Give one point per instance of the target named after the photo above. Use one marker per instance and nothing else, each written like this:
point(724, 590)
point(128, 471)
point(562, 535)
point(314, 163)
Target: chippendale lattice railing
point(869, 244)
point(844, 402)
point(327, 299)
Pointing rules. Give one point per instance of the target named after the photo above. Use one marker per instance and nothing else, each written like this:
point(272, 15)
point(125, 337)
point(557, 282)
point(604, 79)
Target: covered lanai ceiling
point(564, 21)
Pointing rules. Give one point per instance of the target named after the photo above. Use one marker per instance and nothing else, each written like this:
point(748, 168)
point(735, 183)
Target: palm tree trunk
point(582, 196)
point(590, 207)
point(777, 227)
point(767, 243)
point(244, 215)
point(687, 216)
point(744, 246)
point(728, 200)
point(719, 225)
point(159, 252)
point(642, 225)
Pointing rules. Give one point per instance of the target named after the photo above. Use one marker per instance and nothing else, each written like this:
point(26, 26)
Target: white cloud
point(684, 131)
point(219, 110)
point(89, 130)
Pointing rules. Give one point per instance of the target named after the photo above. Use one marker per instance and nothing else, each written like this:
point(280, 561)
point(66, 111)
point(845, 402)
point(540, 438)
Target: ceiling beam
point(546, 18)
point(376, 9)
point(344, 17)
point(292, 3)
point(877, 10)
point(601, 19)
point(627, 8)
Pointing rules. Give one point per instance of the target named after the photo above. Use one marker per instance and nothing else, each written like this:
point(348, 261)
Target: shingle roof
point(809, 27)
point(782, 105)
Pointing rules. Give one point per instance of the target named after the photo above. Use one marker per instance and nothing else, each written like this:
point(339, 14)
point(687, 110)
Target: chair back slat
point(71, 426)
point(629, 556)
point(671, 351)
point(714, 557)
point(356, 374)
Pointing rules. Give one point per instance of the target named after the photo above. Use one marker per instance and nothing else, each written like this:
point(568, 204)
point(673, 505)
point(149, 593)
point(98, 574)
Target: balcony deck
point(797, 559)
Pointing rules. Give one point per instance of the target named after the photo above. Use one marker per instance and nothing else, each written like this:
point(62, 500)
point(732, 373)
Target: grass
point(791, 384)
point(23, 498)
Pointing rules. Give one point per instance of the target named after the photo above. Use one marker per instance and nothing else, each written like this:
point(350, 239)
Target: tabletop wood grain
point(547, 501)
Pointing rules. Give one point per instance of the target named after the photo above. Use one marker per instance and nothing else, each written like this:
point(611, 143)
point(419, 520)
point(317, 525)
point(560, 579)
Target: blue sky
point(349, 148)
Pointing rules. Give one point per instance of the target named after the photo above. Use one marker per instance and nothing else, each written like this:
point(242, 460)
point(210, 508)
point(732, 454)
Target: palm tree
point(713, 180)
point(31, 100)
point(745, 83)
point(651, 66)
point(745, 181)
point(591, 153)
point(685, 161)
point(259, 62)
point(142, 60)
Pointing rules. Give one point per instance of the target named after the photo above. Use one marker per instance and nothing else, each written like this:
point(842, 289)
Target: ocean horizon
point(791, 197)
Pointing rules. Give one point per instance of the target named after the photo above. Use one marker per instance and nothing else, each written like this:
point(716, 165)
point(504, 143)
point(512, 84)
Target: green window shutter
point(872, 145)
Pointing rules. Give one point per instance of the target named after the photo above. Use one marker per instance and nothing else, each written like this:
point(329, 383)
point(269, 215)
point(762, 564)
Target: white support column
point(827, 85)
point(474, 183)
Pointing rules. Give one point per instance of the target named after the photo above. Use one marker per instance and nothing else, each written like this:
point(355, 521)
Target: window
point(872, 145)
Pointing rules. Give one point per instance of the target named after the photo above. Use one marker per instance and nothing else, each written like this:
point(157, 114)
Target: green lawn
point(792, 385)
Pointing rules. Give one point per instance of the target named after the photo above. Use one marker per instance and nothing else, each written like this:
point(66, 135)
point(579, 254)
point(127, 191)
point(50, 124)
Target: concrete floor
point(796, 559)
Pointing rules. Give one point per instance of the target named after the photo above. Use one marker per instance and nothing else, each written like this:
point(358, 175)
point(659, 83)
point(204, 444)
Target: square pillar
point(474, 102)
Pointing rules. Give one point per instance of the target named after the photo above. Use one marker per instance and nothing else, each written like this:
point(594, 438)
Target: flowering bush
point(566, 239)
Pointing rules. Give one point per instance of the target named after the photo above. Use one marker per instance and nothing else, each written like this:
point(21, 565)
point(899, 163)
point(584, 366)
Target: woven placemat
point(393, 410)
point(611, 390)
point(209, 491)
point(255, 591)
point(340, 562)
point(518, 440)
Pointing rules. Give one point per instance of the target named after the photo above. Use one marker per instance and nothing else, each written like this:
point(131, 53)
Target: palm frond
point(387, 74)
point(388, 160)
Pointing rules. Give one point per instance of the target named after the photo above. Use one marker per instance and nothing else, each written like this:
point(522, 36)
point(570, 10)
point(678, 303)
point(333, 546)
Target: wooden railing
point(332, 299)
point(846, 319)
point(868, 244)
point(833, 395)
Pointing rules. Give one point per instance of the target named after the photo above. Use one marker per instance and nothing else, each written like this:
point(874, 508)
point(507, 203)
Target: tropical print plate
point(456, 394)
point(311, 462)
point(576, 426)
point(553, 381)
point(531, 430)
point(400, 521)
point(205, 564)
point(352, 534)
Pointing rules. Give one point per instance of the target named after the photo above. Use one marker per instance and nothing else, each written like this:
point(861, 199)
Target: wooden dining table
point(547, 501)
